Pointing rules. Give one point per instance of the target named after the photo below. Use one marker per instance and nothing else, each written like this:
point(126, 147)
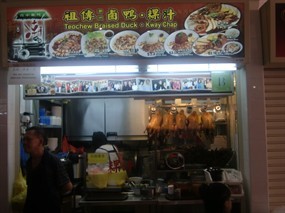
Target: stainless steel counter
point(135, 204)
point(132, 204)
point(161, 200)
point(131, 200)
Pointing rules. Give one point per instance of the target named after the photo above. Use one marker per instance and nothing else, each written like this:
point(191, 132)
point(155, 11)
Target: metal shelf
point(50, 126)
point(146, 96)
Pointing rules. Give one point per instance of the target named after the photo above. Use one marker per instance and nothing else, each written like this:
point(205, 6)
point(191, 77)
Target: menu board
point(125, 31)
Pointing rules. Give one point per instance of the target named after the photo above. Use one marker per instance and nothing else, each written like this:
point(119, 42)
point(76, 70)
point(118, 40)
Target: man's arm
point(67, 188)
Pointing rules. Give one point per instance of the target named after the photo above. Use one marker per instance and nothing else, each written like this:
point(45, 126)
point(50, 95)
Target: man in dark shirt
point(47, 179)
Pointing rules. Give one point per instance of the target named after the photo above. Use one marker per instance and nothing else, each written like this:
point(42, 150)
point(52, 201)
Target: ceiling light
point(127, 68)
point(89, 69)
point(191, 67)
point(222, 67)
point(78, 70)
point(177, 67)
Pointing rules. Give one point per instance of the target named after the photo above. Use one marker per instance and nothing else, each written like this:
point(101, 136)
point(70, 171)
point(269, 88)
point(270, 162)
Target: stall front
point(157, 79)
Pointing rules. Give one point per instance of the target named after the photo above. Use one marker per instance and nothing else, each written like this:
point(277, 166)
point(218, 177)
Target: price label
point(94, 158)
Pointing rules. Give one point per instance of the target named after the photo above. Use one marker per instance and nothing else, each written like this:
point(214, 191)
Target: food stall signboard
point(96, 32)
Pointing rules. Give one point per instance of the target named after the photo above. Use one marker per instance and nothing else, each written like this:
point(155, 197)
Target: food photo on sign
point(123, 43)
point(96, 43)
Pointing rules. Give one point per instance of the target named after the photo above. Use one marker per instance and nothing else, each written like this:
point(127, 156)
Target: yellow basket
point(117, 178)
point(97, 181)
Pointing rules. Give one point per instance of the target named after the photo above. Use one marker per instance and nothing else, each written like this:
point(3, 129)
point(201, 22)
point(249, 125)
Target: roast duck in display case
point(189, 124)
point(190, 134)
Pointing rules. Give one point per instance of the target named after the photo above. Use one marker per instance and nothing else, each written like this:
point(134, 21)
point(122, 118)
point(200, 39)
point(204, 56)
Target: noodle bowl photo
point(124, 42)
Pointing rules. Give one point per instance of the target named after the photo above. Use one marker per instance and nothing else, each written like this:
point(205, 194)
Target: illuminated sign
point(189, 30)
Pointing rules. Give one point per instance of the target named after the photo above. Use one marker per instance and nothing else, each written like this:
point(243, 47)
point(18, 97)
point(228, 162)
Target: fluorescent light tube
point(135, 68)
point(222, 67)
point(127, 68)
point(191, 67)
point(89, 69)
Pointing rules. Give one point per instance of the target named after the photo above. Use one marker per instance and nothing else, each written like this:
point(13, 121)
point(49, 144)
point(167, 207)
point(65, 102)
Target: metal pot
point(78, 165)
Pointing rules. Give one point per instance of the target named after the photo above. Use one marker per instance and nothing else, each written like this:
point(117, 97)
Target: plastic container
point(44, 120)
point(52, 120)
point(233, 176)
point(117, 178)
point(56, 111)
point(148, 193)
point(42, 112)
point(52, 143)
point(99, 180)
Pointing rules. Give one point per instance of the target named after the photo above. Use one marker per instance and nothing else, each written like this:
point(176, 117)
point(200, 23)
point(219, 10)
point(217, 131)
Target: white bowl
point(136, 180)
